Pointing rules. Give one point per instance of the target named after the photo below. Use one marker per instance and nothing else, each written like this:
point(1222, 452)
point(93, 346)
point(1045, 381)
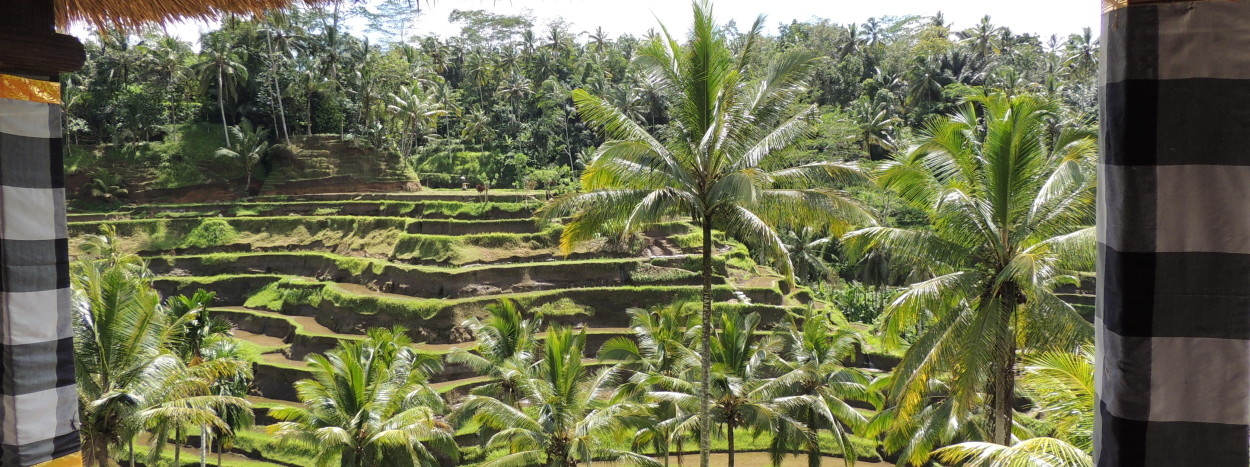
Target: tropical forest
point(296, 242)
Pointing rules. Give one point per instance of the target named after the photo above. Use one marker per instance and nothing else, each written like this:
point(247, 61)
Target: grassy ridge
point(285, 293)
point(416, 209)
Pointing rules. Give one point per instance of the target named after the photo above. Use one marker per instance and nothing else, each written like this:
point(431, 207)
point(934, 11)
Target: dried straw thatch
point(133, 13)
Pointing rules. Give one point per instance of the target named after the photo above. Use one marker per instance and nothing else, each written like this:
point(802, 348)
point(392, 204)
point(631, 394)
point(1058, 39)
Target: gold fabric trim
point(72, 460)
point(26, 89)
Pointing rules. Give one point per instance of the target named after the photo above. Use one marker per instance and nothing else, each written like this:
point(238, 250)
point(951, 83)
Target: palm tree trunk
point(204, 446)
point(813, 451)
point(308, 105)
point(730, 435)
point(705, 347)
point(277, 89)
point(221, 104)
point(132, 450)
point(178, 446)
point(1004, 393)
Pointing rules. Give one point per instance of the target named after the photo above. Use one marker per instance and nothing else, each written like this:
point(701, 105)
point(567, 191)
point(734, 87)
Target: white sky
point(636, 16)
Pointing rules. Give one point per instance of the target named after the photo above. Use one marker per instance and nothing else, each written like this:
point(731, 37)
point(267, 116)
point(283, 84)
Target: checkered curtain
point(39, 403)
point(1173, 312)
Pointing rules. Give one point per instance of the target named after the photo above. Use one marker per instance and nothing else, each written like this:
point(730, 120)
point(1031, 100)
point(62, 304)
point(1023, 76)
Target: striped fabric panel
point(1173, 310)
point(38, 396)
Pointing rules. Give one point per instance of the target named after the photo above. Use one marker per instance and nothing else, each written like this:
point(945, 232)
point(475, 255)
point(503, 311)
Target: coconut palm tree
point(283, 39)
point(368, 403)
point(1009, 208)
point(740, 389)
point(658, 350)
point(417, 114)
point(477, 128)
point(913, 437)
point(815, 387)
point(229, 349)
point(717, 163)
point(250, 145)
point(192, 340)
point(224, 64)
point(199, 328)
point(809, 249)
point(506, 348)
point(566, 417)
point(128, 380)
point(658, 344)
point(874, 126)
point(1030, 452)
point(1061, 384)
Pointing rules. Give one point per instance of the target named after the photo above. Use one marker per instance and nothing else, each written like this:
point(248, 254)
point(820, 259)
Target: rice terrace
point(405, 233)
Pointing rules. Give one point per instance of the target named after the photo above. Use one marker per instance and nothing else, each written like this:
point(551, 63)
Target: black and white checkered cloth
point(1173, 312)
point(38, 397)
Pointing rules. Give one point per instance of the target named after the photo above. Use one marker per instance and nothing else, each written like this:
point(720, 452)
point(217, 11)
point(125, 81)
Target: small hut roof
point(130, 13)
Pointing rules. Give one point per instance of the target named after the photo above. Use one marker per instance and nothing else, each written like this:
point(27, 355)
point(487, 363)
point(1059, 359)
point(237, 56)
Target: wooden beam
point(41, 55)
point(29, 43)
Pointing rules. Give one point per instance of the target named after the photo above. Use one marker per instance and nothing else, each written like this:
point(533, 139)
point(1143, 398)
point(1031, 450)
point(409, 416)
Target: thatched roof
point(130, 13)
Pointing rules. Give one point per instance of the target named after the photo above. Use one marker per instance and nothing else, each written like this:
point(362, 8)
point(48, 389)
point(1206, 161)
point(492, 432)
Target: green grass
point(563, 307)
point(276, 449)
point(252, 351)
point(648, 271)
point(465, 249)
point(289, 292)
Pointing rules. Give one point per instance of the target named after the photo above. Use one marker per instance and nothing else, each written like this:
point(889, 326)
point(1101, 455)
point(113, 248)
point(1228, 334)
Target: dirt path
point(362, 290)
point(279, 359)
point(258, 339)
point(309, 323)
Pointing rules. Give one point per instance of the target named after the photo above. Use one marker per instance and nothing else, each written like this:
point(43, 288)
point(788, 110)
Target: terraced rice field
point(296, 274)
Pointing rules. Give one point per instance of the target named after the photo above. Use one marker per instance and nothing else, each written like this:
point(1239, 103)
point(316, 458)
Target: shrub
point(859, 302)
point(439, 180)
point(211, 232)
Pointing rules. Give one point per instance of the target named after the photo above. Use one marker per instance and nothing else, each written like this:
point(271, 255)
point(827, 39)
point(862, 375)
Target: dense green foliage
point(495, 103)
point(959, 161)
point(143, 365)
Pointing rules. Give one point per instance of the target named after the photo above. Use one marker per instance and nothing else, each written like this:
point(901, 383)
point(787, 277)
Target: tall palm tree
point(657, 351)
point(477, 128)
point(282, 39)
point(565, 419)
point(230, 350)
point(417, 114)
point(224, 64)
point(1008, 208)
point(250, 145)
point(813, 385)
point(309, 82)
point(192, 340)
point(168, 56)
point(1061, 384)
point(717, 165)
point(659, 341)
point(1081, 52)
point(368, 403)
point(128, 379)
point(874, 125)
point(740, 395)
point(506, 348)
point(809, 251)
